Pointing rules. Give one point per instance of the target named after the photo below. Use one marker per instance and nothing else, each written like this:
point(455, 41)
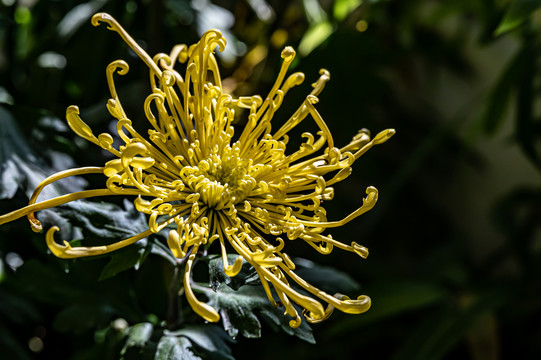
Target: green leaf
point(391, 300)
point(325, 278)
point(124, 259)
point(138, 342)
point(174, 347)
point(516, 14)
point(315, 36)
point(11, 347)
point(208, 340)
point(144, 341)
point(527, 125)
point(16, 308)
point(436, 335)
point(160, 249)
point(64, 287)
point(81, 316)
point(104, 220)
point(105, 223)
point(20, 166)
point(342, 8)
point(397, 298)
point(77, 17)
point(276, 318)
point(139, 334)
point(498, 100)
point(238, 310)
point(237, 307)
point(246, 276)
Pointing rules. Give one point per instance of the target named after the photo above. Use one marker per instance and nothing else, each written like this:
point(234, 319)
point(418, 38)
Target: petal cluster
point(248, 192)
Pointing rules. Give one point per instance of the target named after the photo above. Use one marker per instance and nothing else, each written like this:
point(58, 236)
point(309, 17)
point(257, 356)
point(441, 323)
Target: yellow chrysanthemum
point(192, 177)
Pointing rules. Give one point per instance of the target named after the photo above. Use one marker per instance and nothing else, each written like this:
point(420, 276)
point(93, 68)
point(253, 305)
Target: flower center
point(223, 180)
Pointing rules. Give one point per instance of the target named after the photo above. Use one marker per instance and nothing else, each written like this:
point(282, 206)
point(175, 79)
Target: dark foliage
point(455, 254)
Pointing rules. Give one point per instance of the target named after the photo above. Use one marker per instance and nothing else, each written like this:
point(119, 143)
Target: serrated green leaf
point(104, 220)
point(516, 14)
point(125, 259)
point(238, 310)
point(137, 337)
point(210, 341)
point(139, 334)
point(237, 307)
point(20, 166)
point(246, 276)
point(105, 223)
point(160, 249)
point(193, 342)
point(277, 319)
point(174, 347)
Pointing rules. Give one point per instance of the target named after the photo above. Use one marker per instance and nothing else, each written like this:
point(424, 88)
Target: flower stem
point(176, 288)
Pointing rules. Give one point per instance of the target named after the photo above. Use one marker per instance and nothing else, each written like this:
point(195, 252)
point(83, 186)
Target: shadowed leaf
point(516, 14)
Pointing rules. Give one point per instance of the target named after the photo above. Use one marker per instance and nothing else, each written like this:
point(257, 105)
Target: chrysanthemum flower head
point(204, 185)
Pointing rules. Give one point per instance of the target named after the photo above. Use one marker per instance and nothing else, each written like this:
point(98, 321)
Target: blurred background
point(454, 267)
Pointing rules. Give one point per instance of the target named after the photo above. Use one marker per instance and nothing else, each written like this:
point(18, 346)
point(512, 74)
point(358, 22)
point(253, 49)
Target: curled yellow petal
point(205, 311)
point(78, 125)
point(362, 304)
point(174, 242)
point(368, 203)
point(383, 136)
point(66, 251)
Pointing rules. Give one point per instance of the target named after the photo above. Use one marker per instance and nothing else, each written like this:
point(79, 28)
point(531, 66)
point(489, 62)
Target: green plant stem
point(176, 287)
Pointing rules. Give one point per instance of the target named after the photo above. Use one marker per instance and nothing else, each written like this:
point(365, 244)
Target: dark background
point(454, 240)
